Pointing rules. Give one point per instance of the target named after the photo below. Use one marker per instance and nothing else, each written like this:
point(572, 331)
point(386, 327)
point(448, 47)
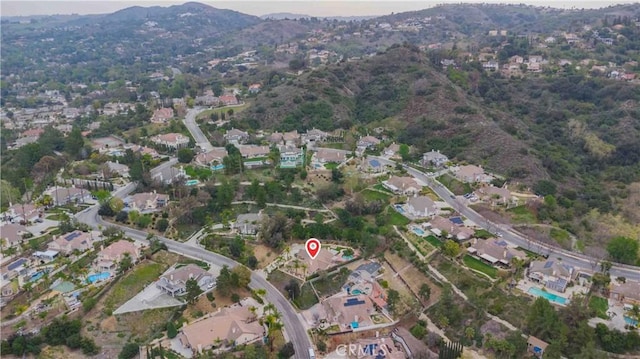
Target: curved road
point(194, 129)
point(295, 330)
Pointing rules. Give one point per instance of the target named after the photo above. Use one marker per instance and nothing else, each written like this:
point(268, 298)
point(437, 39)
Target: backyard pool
point(356, 292)
point(399, 208)
point(630, 321)
point(418, 231)
point(548, 296)
point(192, 182)
point(98, 277)
point(35, 276)
point(217, 167)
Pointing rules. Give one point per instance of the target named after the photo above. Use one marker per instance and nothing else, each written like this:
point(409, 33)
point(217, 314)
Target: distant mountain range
point(291, 16)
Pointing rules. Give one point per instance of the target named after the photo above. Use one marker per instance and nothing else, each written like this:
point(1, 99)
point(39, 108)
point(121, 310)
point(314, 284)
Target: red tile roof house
point(255, 88)
point(402, 185)
point(212, 157)
point(228, 100)
point(12, 234)
point(171, 140)
point(162, 115)
point(73, 241)
point(115, 252)
point(174, 283)
point(421, 207)
point(227, 328)
point(34, 132)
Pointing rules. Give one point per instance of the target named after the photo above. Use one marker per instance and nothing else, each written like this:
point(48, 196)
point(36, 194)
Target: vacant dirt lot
point(414, 278)
point(264, 254)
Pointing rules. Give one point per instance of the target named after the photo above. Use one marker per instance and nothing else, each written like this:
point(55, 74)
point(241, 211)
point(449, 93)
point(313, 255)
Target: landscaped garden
point(476, 264)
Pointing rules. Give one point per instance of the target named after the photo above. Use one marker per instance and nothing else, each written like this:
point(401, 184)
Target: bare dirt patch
point(414, 278)
point(264, 254)
point(491, 214)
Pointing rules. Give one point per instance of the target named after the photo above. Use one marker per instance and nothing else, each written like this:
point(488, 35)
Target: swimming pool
point(548, 296)
point(356, 292)
point(35, 276)
point(630, 321)
point(399, 208)
point(217, 167)
point(418, 231)
point(192, 182)
point(98, 277)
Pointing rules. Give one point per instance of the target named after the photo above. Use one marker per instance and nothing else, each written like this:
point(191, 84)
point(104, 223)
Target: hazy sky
point(308, 7)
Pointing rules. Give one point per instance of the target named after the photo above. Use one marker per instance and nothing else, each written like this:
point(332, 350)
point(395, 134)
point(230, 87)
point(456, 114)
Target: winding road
point(295, 331)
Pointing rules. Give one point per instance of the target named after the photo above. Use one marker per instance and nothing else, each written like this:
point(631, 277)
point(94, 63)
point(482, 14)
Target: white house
point(421, 206)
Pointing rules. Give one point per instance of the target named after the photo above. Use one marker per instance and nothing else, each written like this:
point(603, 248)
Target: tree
point(172, 332)
point(293, 289)
point(393, 297)
point(185, 155)
point(404, 152)
point(272, 321)
point(287, 351)
point(241, 276)
point(451, 248)
point(543, 321)
point(74, 143)
point(545, 187)
point(162, 224)
point(129, 351)
point(275, 230)
point(623, 250)
point(425, 292)
point(125, 263)
point(193, 290)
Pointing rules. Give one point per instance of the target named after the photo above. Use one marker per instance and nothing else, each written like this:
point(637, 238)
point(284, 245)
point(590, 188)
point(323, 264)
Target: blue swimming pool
point(217, 167)
point(630, 321)
point(548, 296)
point(418, 231)
point(399, 208)
point(98, 277)
point(192, 182)
point(35, 276)
point(356, 292)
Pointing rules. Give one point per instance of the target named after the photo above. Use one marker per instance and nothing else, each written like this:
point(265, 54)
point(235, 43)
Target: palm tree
point(272, 321)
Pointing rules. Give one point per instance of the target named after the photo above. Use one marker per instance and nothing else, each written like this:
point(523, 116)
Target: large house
point(434, 158)
point(471, 174)
point(235, 136)
point(213, 157)
point(287, 138)
point(496, 195)
point(174, 141)
point(248, 223)
point(74, 241)
point(118, 169)
point(496, 252)
point(291, 157)
point(392, 151)
point(162, 115)
point(327, 155)
point(12, 234)
point(440, 225)
point(421, 207)
point(228, 100)
point(228, 327)
point(21, 213)
point(62, 196)
point(314, 136)
point(115, 252)
point(146, 202)
point(551, 273)
point(627, 293)
point(402, 185)
point(371, 165)
point(365, 143)
point(252, 151)
point(175, 282)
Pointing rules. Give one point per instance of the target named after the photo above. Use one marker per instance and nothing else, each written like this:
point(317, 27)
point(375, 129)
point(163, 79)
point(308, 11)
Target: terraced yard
point(475, 263)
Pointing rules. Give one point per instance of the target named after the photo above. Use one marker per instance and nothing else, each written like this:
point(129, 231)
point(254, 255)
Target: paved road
point(294, 329)
point(194, 129)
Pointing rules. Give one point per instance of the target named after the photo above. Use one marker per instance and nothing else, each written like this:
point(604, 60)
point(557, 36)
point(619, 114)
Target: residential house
point(551, 273)
point(211, 158)
point(143, 150)
point(392, 151)
point(291, 138)
point(350, 312)
point(21, 213)
point(228, 100)
point(627, 293)
point(19, 267)
point(118, 168)
point(76, 240)
point(434, 158)
point(115, 252)
point(34, 132)
point(371, 166)
point(440, 226)
point(491, 65)
point(291, 157)
point(314, 136)
point(235, 136)
point(248, 223)
point(252, 151)
point(146, 202)
point(496, 252)
point(254, 88)
point(62, 195)
point(207, 100)
point(46, 256)
point(169, 175)
point(402, 185)
point(496, 195)
point(327, 155)
point(421, 207)
point(12, 234)
point(470, 174)
point(229, 327)
point(175, 282)
point(536, 346)
point(162, 115)
point(367, 143)
point(325, 259)
point(174, 141)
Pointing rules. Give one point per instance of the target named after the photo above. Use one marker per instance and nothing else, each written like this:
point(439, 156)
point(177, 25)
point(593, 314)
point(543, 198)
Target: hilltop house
point(327, 155)
point(76, 240)
point(434, 158)
point(392, 151)
point(471, 174)
point(495, 195)
point(291, 138)
point(552, 274)
point(627, 293)
point(253, 151)
point(236, 137)
point(229, 327)
point(215, 156)
point(228, 100)
point(402, 185)
point(291, 157)
point(496, 252)
point(62, 196)
point(254, 88)
point(146, 202)
point(162, 115)
point(371, 165)
point(175, 282)
point(115, 252)
point(173, 141)
point(366, 143)
point(314, 136)
point(118, 169)
point(421, 207)
point(248, 224)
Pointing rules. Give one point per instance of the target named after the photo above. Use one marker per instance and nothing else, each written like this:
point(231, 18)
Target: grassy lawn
point(371, 195)
point(236, 109)
point(455, 186)
point(336, 145)
point(482, 233)
point(561, 237)
point(599, 306)
point(330, 285)
point(200, 173)
point(331, 165)
point(307, 297)
point(395, 218)
point(433, 241)
point(479, 265)
point(132, 283)
point(56, 217)
point(380, 187)
point(522, 214)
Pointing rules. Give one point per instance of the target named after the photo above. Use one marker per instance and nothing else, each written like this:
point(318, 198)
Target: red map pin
point(313, 247)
